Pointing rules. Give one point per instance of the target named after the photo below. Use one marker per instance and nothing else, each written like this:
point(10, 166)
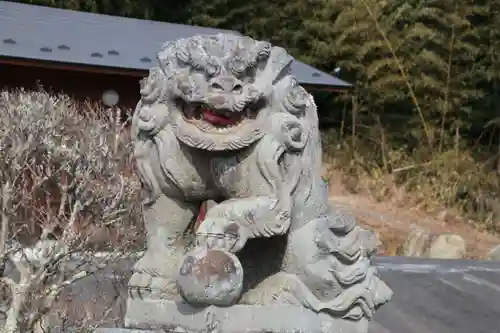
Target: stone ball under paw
point(210, 277)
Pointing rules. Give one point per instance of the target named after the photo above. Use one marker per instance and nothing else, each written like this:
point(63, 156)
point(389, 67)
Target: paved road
point(439, 296)
point(430, 296)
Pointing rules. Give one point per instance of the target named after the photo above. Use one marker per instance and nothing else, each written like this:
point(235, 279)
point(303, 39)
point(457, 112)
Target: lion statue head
point(216, 91)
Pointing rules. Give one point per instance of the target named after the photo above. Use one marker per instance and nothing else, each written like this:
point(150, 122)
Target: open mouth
point(202, 126)
point(216, 118)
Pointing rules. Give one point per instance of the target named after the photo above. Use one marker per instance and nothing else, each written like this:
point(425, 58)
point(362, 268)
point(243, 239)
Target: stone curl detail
point(151, 114)
point(194, 55)
point(297, 99)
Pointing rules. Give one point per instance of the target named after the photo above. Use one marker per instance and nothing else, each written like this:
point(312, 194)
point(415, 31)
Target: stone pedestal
point(148, 316)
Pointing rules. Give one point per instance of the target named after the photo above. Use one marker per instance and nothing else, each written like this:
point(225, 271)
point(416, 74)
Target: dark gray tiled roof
point(42, 33)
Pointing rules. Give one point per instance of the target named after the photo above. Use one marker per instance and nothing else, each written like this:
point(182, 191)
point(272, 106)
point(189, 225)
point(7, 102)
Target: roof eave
point(40, 63)
point(327, 88)
point(19, 61)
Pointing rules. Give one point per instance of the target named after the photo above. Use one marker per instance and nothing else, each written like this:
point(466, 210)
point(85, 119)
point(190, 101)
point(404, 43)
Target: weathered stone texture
point(221, 118)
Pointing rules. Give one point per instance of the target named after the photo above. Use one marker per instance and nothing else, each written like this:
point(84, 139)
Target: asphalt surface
point(439, 296)
point(430, 296)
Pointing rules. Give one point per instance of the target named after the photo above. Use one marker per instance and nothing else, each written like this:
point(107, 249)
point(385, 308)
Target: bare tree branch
point(62, 168)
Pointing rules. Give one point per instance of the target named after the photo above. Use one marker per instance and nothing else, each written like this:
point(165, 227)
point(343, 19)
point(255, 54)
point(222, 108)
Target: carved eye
point(216, 86)
point(238, 88)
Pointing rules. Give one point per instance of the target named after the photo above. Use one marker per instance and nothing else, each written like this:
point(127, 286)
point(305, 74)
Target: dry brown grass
point(449, 191)
point(67, 189)
point(393, 217)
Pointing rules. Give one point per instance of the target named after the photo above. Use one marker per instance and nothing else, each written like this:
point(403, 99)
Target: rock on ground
point(494, 254)
point(437, 246)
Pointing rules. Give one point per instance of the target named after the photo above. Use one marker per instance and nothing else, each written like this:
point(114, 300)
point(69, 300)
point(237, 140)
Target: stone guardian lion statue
point(222, 118)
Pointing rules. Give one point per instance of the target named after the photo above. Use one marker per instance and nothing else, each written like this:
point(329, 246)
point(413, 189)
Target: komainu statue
point(221, 118)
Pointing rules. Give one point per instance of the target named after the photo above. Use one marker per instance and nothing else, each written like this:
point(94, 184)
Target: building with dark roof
point(85, 54)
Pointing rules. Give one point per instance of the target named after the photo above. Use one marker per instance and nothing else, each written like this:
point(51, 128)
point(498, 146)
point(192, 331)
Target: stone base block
point(148, 316)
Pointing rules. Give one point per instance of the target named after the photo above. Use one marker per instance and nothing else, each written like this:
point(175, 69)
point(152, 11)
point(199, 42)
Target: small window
point(9, 41)
point(113, 52)
point(63, 47)
point(96, 55)
point(316, 74)
point(145, 59)
point(46, 49)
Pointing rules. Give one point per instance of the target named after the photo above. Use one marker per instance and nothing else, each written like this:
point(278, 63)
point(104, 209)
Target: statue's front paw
point(221, 234)
point(154, 275)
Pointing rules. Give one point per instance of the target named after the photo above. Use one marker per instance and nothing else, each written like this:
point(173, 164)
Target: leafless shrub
point(65, 175)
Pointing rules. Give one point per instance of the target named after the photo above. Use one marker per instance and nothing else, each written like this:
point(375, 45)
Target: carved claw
point(222, 234)
point(140, 286)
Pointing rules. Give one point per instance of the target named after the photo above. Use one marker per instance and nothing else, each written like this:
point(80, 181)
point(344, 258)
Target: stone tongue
point(217, 119)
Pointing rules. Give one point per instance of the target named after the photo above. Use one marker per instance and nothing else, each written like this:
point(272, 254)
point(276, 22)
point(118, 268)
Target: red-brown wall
point(78, 84)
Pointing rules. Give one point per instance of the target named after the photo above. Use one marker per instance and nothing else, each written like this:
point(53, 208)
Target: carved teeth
point(195, 113)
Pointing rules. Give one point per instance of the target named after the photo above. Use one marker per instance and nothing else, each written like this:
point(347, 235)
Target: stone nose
point(226, 84)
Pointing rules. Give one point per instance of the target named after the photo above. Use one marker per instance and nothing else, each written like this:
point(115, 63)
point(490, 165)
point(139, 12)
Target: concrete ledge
point(170, 316)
